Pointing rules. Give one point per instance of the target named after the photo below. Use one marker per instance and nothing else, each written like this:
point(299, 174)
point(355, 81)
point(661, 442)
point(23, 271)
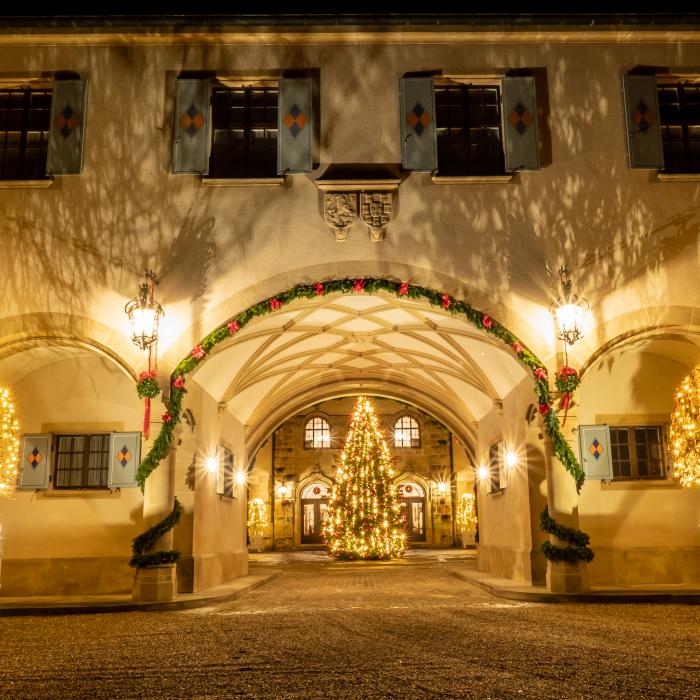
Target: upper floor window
point(637, 452)
point(468, 126)
point(25, 119)
point(317, 434)
point(679, 115)
point(243, 129)
point(406, 432)
point(244, 138)
point(82, 462)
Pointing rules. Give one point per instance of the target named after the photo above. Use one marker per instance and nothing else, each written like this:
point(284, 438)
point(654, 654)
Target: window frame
point(663, 82)
point(228, 169)
point(85, 469)
point(415, 443)
point(309, 444)
point(30, 88)
point(664, 460)
point(465, 83)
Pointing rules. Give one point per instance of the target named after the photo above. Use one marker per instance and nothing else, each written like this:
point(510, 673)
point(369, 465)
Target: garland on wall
point(577, 548)
point(141, 544)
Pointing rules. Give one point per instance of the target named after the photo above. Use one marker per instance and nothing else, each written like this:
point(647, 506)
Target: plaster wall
point(72, 541)
point(641, 531)
point(508, 544)
point(217, 249)
point(219, 550)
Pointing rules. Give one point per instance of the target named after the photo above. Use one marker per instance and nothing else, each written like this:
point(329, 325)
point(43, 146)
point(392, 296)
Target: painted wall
point(219, 549)
point(641, 531)
point(72, 541)
point(508, 538)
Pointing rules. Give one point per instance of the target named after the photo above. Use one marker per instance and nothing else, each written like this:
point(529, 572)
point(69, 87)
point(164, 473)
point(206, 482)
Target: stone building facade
point(434, 469)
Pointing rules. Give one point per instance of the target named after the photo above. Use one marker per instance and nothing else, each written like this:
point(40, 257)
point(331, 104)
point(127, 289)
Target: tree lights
point(363, 520)
point(685, 430)
point(9, 442)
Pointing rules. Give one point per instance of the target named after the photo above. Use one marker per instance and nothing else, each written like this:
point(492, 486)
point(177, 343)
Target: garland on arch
point(359, 285)
point(577, 548)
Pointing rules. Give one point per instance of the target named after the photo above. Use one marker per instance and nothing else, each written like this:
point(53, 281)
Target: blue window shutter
point(642, 127)
point(124, 459)
point(67, 131)
point(596, 457)
point(191, 130)
point(295, 126)
point(520, 124)
point(418, 135)
point(36, 462)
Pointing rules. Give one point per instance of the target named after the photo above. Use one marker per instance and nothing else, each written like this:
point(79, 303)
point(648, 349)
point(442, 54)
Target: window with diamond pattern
point(25, 118)
point(244, 138)
point(679, 116)
point(468, 129)
point(82, 462)
point(637, 452)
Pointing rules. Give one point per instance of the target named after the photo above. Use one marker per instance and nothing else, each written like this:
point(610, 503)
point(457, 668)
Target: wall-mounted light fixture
point(483, 473)
point(442, 487)
point(283, 492)
point(212, 464)
point(569, 311)
point(511, 459)
point(144, 313)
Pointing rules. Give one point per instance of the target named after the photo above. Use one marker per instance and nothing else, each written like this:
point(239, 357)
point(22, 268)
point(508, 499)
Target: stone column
point(562, 502)
point(157, 583)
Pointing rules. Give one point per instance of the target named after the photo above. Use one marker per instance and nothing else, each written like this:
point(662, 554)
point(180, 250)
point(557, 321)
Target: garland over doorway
point(357, 285)
point(360, 285)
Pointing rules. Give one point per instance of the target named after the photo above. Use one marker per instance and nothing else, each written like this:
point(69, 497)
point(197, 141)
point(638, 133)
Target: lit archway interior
point(359, 343)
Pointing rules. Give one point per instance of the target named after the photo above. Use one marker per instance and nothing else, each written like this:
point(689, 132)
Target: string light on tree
point(685, 430)
point(363, 520)
point(9, 442)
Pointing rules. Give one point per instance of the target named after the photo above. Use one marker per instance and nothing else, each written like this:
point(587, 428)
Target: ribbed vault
point(350, 343)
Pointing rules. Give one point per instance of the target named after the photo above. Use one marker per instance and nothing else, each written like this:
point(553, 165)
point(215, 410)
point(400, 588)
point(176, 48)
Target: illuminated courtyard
point(323, 629)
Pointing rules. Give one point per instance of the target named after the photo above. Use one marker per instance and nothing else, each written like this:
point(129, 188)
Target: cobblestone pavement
point(358, 630)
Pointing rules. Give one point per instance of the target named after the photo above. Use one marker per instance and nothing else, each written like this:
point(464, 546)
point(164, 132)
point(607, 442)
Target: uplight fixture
point(511, 459)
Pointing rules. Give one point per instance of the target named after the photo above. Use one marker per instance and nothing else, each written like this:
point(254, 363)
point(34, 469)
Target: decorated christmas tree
point(363, 520)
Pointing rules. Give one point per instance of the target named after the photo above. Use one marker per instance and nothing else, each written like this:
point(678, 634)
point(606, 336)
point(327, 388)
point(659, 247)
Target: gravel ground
point(359, 630)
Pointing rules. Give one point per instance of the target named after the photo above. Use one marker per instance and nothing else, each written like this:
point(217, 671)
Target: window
point(495, 468)
point(637, 452)
point(244, 124)
point(317, 434)
point(226, 473)
point(82, 462)
point(468, 129)
point(25, 118)
point(679, 114)
point(406, 432)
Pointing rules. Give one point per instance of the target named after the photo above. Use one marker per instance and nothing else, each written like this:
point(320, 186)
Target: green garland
point(146, 540)
point(577, 548)
point(369, 285)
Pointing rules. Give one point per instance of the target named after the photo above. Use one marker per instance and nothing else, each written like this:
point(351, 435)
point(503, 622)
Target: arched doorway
point(312, 512)
point(413, 510)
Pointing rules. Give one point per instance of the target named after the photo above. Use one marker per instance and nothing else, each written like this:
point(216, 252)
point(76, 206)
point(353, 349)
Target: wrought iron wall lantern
point(569, 311)
point(144, 313)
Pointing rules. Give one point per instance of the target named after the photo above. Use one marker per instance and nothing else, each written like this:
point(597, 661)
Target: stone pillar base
point(155, 583)
point(567, 578)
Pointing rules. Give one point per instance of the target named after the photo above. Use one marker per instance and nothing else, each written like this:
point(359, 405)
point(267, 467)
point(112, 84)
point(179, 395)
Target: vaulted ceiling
point(364, 342)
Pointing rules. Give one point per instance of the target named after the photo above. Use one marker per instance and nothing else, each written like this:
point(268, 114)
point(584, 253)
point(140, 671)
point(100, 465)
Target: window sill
point(638, 484)
point(242, 181)
point(80, 493)
point(26, 184)
point(472, 179)
point(678, 177)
